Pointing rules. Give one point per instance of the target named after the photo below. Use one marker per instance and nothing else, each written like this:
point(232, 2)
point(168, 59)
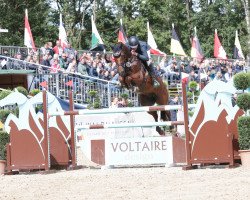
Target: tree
point(13, 19)
point(246, 4)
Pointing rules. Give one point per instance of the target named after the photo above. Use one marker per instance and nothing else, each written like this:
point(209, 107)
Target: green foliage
point(248, 78)
point(4, 114)
point(189, 94)
point(190, 113)
point(39, 108)
point(244, 132)
point(125, 96)
point(130, 104)
point(243, 101)
point(192, 85)
point(39, 14)
point(4, 139)
point(94, 102)
point(4, 94)
point(34, 92)
point(92, 93)
point(241, 81)
point(22, 90)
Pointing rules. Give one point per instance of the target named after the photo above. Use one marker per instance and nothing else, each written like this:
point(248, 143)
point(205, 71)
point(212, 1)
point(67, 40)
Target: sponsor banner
point(139, 151)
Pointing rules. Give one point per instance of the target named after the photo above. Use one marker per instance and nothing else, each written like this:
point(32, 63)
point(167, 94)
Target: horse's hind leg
point(158, 129)
point(165, 115)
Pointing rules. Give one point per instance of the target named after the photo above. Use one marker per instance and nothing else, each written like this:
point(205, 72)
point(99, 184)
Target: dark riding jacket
point(142, 49)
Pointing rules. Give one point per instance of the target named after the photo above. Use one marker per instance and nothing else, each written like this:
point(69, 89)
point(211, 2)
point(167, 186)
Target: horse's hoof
point(162, 133)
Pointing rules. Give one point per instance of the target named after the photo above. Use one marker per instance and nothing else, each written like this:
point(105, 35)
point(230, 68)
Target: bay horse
point(132, 73)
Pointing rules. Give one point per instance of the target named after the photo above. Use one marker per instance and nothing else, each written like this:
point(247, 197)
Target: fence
point(82, 85)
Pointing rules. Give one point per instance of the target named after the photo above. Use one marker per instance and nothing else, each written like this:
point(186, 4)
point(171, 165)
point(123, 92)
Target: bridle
point(127, 62)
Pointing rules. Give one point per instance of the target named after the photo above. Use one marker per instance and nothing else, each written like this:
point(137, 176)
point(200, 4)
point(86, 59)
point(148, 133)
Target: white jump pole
point(121, 110)
point(129, 125)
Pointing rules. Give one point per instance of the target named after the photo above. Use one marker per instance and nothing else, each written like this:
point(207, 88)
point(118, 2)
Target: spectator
point(63, 61)
point(234, 99)
point(106, 75)
point(114, 103)
point(69, 50)
point(55, 57)
point(173, 113)
point(49, 50)
point(58, 48)
point(93, 70)
point(228, 75)
point(219, 76)
point(35, 59)
point(83, 67)
point(159, 71)
point(55, 67)
point(72, 68)
point(193, 76)
point(44, 48)
point(17, 64)
point(45, 60)
point(171, 73)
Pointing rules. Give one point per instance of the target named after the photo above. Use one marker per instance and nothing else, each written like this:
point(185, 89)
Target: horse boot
point(153, 76)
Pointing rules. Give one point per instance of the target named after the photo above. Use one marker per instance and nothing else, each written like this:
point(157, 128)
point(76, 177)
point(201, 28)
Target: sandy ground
point(130, 183)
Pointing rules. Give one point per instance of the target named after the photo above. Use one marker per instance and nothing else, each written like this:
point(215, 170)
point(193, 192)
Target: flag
point(62, 34)
point(28, 39)
point(196, 51)
point(96, 41)
point(184, 77)
point(44, 84)
point(176, 47)
point(151, 42)
point(219, 51)
point(237, 48)
point(69, 83)
point(121, 34)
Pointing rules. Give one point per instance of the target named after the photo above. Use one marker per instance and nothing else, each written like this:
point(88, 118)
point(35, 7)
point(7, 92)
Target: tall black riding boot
point(153, 75)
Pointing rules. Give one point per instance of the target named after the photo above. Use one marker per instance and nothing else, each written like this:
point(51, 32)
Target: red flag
point(219, 51)
point(151, 42)
point(122, 35)
point(44, 84)
point(28, 39)
point(62, 34)
point(69, 83)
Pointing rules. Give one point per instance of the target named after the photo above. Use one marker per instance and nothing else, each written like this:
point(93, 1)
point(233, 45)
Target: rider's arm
point(143, 55)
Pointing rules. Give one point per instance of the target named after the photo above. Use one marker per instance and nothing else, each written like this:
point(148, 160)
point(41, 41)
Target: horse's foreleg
point(121, 80)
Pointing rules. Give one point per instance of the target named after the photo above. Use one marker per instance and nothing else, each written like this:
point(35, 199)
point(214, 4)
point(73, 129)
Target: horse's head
point(121, 54)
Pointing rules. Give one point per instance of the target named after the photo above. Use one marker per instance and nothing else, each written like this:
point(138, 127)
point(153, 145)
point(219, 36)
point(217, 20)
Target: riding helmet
point(133, 41)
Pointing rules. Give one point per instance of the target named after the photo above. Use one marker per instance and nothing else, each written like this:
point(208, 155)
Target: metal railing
point(82, 85)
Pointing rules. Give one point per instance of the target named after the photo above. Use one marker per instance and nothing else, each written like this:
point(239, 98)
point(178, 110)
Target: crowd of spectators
point(94, 65)
point(205, 71)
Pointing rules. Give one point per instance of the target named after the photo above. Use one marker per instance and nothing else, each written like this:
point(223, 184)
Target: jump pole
point(186, 125)
point(120, 110)
point(130, 125)
point(46, 130)
point(72, 129)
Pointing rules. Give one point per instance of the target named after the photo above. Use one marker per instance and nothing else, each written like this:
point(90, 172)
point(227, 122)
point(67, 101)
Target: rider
point(139, 49)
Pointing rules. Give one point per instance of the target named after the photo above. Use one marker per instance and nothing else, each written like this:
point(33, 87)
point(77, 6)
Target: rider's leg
point(151, 71)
